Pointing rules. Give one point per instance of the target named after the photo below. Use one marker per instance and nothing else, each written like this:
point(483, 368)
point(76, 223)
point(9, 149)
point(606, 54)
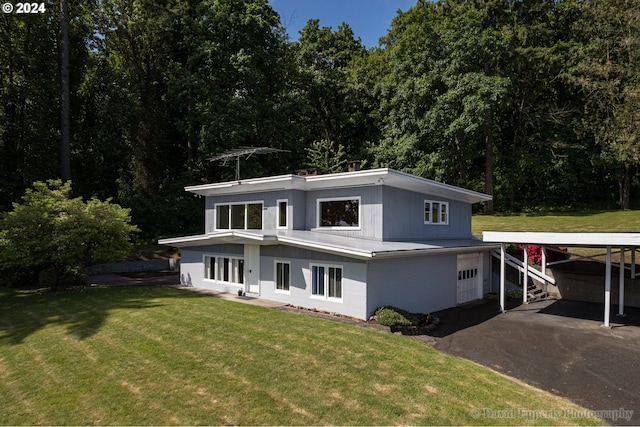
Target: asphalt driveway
point(558, 346)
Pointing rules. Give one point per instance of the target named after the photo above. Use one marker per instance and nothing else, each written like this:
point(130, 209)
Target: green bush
point(70, 276)
point(57, 236)
point(392, 316)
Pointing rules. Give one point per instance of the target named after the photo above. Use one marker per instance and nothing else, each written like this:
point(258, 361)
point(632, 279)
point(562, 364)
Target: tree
point(56, 236)
point(29, 120)
point(607, 65)
point(333, 109)
point(30, 93)
point(229, 79)
point(323, 155)
point(444, 88)
point(65, 145)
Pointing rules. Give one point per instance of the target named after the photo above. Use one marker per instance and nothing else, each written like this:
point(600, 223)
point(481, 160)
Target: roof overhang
point(362, 178)
point(627, 240)
point(349, 247)
point(233, 236)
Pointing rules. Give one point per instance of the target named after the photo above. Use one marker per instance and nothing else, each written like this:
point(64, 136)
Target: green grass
point(151, 355)
point(598, 221)
point(564, 222)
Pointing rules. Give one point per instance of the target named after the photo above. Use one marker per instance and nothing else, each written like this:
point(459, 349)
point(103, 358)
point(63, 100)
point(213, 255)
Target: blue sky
point(369, 19)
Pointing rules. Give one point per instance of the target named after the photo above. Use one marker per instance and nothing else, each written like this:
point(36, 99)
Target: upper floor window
point(436, 212)
point(339, 212)
point(239, 216)
point(282, 214)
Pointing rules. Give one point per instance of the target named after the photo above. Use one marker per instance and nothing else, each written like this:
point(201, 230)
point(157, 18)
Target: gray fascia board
point(363, 178)
point(433, 251)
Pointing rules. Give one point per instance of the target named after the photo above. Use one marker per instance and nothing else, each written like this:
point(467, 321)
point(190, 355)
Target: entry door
point(252, 268)
point(469, 277)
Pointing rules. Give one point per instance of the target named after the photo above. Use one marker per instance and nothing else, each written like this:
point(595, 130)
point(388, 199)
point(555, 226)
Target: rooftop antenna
point(243, 151)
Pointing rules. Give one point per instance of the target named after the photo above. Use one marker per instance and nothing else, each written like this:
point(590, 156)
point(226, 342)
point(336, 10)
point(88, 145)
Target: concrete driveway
point(558, 346)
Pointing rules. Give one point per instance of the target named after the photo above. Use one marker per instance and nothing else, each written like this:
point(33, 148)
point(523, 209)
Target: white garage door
point(469, 277)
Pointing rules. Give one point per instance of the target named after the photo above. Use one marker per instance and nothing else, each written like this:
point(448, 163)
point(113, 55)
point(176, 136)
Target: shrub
point(515, 294)
point(51, 237)
point(392, 316)
point(534, 252)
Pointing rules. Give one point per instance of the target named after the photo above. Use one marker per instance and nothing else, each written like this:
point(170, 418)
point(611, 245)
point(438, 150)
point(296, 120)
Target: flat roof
point(361, 178)
point(352, 247)
point(579, 239)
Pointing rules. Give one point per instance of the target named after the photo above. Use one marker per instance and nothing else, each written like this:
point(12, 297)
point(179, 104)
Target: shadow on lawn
point(83, 311)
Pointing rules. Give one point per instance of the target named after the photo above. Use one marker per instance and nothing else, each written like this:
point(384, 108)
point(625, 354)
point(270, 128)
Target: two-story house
point(346, 243)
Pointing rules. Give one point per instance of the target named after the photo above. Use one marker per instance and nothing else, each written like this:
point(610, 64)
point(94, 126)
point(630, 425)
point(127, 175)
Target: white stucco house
point(345, 243)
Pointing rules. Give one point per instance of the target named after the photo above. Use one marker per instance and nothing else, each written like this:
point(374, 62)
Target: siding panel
point(416, 284)
point(269, 207)
point(353, 285)
point(403, 217)
point(370, 213)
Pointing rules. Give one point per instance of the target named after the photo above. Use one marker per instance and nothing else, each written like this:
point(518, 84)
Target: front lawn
point(565, 222)
point(157, 356)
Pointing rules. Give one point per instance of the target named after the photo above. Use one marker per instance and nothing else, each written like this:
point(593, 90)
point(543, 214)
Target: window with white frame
point(283, 276)
point(283, 215)
point(436, 212)
point(326, 281)
point(224, 269)
point(341, 212)
point(239, 216)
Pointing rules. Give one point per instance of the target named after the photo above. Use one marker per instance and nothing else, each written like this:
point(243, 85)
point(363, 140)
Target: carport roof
point(608, 240)
point(627, 240)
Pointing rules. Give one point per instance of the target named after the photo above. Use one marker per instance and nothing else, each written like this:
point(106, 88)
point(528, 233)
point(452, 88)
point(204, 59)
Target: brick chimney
point(309, 172)
point(353, 165)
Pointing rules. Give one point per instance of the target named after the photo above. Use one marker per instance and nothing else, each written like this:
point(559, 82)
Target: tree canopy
point(535, 102)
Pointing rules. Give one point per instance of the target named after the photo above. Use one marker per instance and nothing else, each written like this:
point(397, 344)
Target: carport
point(623, 241)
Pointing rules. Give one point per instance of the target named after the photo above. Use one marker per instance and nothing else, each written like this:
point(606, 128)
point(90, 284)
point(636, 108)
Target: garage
point(469, 284)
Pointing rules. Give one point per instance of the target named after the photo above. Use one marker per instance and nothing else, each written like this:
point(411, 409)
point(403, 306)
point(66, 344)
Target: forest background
point(536, 102)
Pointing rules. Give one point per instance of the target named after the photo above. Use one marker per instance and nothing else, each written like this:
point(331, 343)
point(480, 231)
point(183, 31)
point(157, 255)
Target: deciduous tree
point(607, 69)
point(57, 236)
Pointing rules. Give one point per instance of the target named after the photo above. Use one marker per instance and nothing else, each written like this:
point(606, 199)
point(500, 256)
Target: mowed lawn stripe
point(161, 356)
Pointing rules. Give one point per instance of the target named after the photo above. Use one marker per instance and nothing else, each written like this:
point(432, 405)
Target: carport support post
point(607, 289)
point(621, 284)
point(525, 274)
point(503, 249)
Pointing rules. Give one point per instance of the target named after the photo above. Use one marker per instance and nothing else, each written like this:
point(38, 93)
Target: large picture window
point(244, 216)
point(326, 281)
point(283, 276)
point(436, 212)
point(224, 269)
point(339, 213)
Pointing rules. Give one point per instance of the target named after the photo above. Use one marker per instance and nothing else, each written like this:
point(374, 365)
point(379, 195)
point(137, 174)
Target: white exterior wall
point(269, 200)
point(415, 284)
point(420, 284)
point(370, 211)
point(353, 286)
point(192, 267)
point(403, 217)
point(354, 297)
